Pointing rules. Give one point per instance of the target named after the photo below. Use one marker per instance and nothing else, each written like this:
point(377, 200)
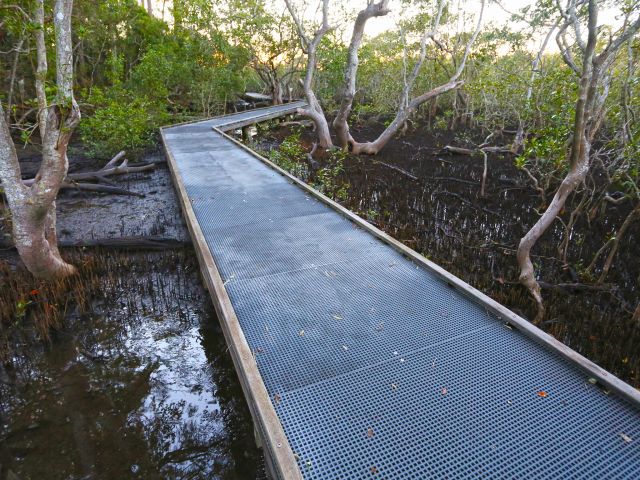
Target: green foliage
point(496, 89)
point(551, 118)
point(328, 178)
point(148, 73)
point(121, 121)
point(134, 72)
point(290, 156)
point(21, 308)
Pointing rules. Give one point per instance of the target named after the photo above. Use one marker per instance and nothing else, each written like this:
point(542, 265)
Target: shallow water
point(141, 386)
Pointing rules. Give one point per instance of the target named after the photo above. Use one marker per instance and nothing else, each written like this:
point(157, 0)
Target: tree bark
point(340, 123)
point(403, 114)
point(41, 70)
point(527, 274)
point(33, 215)
point(408, 106)
point(588, 118)
point(578, 160)
point(310, 46)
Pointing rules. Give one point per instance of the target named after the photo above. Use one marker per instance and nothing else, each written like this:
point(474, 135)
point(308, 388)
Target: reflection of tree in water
point(132, 391)
point(67, 422)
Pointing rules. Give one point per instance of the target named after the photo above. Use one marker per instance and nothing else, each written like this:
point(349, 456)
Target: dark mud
point(430, 200)
point(86, 215)
point(138, 384)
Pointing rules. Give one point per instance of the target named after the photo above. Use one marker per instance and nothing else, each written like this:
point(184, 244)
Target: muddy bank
point(430, 200)
point(138, 383)
point(86, 215)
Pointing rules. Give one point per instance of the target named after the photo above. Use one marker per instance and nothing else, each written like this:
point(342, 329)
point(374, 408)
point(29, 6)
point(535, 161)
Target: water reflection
point(141, 387)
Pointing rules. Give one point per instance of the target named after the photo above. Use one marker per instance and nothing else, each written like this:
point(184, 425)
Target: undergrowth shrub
point(120, 121)
point(290, 156)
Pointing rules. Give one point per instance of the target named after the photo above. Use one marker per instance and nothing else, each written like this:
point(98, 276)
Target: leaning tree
point(409, 102)
point(593, 69)
point(271, 40)
point(33, 208)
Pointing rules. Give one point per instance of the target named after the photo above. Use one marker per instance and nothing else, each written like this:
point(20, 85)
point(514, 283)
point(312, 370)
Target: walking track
point(361, 359)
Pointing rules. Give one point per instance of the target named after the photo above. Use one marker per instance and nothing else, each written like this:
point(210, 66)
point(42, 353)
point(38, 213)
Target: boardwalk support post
point(246, 134)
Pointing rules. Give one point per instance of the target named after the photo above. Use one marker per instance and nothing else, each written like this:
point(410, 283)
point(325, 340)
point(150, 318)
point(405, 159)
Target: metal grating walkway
point(376, 367)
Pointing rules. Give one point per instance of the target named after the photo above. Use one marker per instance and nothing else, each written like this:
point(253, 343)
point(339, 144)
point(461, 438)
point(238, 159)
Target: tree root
point(399, 170)
point(93, 187)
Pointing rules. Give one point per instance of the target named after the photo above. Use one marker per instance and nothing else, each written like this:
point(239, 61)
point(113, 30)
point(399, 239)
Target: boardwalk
point(360, 359)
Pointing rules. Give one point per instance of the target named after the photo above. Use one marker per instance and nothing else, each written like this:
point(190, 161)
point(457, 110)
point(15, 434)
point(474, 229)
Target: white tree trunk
point(310, 46)
point(403, 114)
point(518, 141)
point(33, 214)
point(41, 71)
point(588, 117)
point(407, 106)
point(340, 123)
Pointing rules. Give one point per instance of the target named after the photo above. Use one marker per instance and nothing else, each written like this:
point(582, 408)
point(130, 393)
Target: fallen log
point(94, 187)
point(111, 168)
point(475, 151)
point(132, 243)
point(297, 123)
point(460, 150)
point(574, 287)
point(256, 97)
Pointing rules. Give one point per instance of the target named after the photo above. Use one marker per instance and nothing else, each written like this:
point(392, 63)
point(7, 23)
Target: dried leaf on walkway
point(626, 438)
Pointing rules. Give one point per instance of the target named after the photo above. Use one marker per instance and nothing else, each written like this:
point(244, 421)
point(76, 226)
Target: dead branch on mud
point(94, 187)
point(399, 170)
point(78, 181)
point(110, 169)
point(481, 150)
